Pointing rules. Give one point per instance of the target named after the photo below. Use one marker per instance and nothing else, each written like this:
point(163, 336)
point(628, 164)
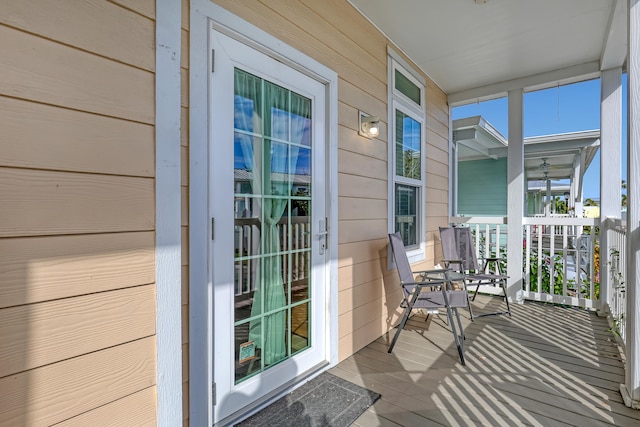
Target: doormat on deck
point(326, 400)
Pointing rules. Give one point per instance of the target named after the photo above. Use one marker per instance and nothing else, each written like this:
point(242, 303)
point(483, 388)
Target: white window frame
point(399, 101)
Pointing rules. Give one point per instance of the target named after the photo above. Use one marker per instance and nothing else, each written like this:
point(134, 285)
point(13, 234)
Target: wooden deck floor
point(545, 366)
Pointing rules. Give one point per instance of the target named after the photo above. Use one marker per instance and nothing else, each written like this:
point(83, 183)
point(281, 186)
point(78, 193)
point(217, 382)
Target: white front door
point(267, 198)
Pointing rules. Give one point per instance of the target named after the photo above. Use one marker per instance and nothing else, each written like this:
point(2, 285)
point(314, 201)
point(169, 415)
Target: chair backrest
point(457, 243)
point(400, 256)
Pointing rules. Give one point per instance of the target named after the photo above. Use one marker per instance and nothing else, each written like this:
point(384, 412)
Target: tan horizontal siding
point(73, 78)
point(47, 137)
point(39, 334)
point(352, 208)
point(137, 409)
point(354, 275)
point(57, 392)
point(96, 26)
point(143, 7)
point(352, 141)
point(358, 164)
point(41, 202)
point(359, 230)
point(357, 252)
point(35, 269)
point(359, 186)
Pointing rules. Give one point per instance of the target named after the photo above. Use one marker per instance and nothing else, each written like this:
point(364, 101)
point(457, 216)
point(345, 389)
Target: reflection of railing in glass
point(296, 242)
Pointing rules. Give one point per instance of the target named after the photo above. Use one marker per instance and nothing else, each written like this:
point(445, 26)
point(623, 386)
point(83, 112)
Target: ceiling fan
point(545, 166)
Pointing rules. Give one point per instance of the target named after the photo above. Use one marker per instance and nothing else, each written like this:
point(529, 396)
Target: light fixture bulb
point(369, 125)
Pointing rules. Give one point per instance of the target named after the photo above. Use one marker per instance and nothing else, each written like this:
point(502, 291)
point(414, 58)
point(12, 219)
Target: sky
point(569, 108)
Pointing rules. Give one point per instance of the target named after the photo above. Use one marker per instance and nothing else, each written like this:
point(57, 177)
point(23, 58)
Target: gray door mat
point(326, 400)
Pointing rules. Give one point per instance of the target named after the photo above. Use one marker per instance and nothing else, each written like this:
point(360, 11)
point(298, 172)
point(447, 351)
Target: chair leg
point(506, 298)
point(459, 345)
point(469, 301)
point(403, 322)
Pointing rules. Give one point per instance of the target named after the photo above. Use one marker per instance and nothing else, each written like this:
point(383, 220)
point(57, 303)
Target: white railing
point(560, 261)
point(558, 253)
point(295, 240)
point(617, 238)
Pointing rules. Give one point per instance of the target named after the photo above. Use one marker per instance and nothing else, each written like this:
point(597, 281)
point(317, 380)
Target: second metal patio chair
point(431, 290)
point(458, 250)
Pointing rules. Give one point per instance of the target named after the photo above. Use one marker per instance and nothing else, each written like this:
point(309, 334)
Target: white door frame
point(203, 15)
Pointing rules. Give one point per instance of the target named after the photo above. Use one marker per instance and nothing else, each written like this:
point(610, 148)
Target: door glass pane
point(406, 198)
point(408, 159)
point(272, 147)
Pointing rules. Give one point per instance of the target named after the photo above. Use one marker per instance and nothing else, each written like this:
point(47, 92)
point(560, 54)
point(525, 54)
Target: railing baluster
point(565, 249)
point(527, 258)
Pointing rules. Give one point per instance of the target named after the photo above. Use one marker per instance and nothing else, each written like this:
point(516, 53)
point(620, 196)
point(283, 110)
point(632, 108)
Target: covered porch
point(547, 365)
point(498, 49)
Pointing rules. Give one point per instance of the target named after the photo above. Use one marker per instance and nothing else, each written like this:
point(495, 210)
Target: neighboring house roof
point(548, 156)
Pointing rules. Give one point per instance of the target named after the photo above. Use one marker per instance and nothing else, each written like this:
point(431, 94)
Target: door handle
point(322, 235)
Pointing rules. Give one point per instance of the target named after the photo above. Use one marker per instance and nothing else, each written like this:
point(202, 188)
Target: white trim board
point(203, 15)
point(168, 223)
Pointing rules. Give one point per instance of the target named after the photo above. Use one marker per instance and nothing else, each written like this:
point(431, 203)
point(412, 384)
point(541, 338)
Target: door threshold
point(273, 396)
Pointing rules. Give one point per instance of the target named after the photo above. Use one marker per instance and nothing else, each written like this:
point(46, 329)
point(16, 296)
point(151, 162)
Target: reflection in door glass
point(272, 210)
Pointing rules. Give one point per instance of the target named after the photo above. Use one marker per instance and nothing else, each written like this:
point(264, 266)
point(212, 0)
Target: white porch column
point(631, 389)
point(610, 160)
point(515, 195)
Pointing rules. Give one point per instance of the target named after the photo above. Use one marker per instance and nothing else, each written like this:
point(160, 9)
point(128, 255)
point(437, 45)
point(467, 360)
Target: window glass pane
point(407, 146)
point(406, 218)
point(407, 88)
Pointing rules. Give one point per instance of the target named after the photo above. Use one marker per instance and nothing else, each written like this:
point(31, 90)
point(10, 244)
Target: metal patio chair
point(427, 289)
point(458, 250)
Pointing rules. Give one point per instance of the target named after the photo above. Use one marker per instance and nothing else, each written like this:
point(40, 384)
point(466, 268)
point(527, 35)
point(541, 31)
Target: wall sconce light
point(368, 126)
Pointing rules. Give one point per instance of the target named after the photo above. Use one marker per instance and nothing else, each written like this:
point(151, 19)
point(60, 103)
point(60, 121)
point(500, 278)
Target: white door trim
point(204, 14)
point(168, 212)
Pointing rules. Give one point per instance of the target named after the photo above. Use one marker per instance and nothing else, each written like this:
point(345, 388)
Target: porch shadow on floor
point(545, 366)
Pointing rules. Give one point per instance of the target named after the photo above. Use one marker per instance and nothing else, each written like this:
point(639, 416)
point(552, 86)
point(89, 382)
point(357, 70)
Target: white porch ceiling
point(475, 51)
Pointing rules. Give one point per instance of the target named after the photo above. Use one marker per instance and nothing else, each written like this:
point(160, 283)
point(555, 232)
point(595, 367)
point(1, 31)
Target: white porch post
point(610, 160)
point(631, 389)
point(515, 195)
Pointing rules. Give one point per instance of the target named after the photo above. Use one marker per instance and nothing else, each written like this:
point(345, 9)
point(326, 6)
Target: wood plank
point(357, 252)
point(36, 269)
point(73, 78)
point(137, 409)
point(184, 49)
point(57, 392)
point(358, 186)
point(350, 22)
point(358, 164)
point(358, 274)
point(184, 125)
point(435, 167)
point(184, 206)
point(184, 87)
point(45, 203)
point(96, 26)
point(46, 137)
point(185, 14)
point(354, 208)
point(356, 296)
point(143, 7)
point(358, 98)
point(350, 140)
point(361, 230)
point(39, 334)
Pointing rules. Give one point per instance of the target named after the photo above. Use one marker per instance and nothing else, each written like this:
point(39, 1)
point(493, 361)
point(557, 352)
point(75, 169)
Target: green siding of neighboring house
point(482, 187)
